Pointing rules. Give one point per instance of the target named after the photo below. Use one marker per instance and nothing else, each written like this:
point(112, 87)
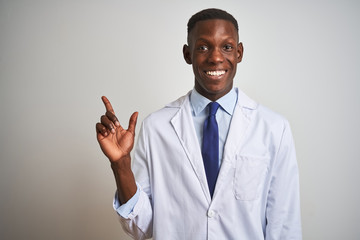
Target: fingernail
point(113, 130)
point(117, 124)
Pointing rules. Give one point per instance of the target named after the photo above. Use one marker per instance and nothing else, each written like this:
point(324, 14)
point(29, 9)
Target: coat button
point(211, 213)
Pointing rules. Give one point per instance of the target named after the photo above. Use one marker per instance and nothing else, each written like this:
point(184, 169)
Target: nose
point(216, 56)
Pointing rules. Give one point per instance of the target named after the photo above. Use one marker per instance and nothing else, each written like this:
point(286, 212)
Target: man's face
point(214, 52)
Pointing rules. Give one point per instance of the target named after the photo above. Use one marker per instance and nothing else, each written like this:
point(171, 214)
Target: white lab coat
point(257, 190)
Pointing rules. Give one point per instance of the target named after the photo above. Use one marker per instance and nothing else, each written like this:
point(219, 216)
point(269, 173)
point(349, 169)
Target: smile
point(215, 73)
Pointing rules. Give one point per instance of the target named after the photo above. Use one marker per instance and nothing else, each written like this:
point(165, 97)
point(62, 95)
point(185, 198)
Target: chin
point(217, 90)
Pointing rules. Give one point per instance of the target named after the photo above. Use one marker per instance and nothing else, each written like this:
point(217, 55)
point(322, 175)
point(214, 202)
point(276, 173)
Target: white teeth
point(215, 73)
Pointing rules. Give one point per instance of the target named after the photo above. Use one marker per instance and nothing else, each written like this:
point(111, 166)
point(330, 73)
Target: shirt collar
point(227, 102)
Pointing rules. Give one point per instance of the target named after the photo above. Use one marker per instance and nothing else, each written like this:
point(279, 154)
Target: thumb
point(132, 122)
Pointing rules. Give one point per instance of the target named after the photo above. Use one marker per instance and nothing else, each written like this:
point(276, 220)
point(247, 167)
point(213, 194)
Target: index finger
point(107, 104)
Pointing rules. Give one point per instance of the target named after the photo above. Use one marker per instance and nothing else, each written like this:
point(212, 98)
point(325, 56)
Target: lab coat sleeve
point(125, 209)
point(283, 205)
point(138, 223)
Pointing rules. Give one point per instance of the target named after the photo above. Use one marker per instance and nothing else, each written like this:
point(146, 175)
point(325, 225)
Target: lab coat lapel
point(184, 127)
point(238, 126)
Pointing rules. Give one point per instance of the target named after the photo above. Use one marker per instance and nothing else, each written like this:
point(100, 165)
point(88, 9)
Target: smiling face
point(214, 53)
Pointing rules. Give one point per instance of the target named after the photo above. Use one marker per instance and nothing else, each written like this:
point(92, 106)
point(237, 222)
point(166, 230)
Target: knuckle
point(103, 119)
point(111, 116)
point(100, 127)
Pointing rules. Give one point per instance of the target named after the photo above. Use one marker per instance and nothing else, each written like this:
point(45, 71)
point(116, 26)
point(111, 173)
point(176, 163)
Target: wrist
point(124, 178)
point(122, 166)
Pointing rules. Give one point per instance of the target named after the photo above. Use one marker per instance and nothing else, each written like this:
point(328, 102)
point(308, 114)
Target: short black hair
point(208, 14)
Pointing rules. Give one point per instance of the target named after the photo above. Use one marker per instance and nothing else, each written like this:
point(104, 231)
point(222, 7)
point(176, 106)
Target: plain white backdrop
point(57, 58)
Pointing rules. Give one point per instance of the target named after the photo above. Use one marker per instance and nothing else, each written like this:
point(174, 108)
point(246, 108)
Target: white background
point(57, 58)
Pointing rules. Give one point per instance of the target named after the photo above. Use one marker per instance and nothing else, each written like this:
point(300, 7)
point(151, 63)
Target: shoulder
point(271, 116)
point(260, 113)
point(165, 114)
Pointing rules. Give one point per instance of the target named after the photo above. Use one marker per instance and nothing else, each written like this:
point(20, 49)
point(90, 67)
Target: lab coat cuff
point(124, 210)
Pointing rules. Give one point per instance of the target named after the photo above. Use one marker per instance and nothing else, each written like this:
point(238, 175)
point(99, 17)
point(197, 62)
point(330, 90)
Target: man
point(230, 174)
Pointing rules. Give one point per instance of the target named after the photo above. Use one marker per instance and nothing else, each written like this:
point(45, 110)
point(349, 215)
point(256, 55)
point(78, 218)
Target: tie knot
point(213, 107)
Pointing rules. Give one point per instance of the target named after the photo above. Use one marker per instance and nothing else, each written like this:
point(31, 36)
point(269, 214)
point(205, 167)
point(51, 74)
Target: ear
point(187, 55)
point(240, 52)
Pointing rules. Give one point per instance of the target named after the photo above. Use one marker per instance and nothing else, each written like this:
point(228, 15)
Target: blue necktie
point(210, 147)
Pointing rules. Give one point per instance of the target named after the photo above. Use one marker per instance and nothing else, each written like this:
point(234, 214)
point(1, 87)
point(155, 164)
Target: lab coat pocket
point(249, 175)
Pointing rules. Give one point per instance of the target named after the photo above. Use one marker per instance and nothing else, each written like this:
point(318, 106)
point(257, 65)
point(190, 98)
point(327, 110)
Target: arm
point(117, 143)
point(283, 205)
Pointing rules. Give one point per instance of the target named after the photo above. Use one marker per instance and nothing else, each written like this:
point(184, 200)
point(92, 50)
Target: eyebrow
point(206, 40)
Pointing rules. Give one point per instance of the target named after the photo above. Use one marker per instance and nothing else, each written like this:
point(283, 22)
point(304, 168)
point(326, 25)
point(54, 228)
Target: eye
point(228, 47)
point(203, 48)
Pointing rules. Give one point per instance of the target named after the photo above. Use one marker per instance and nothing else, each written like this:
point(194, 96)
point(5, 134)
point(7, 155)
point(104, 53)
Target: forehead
point(213, 28)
